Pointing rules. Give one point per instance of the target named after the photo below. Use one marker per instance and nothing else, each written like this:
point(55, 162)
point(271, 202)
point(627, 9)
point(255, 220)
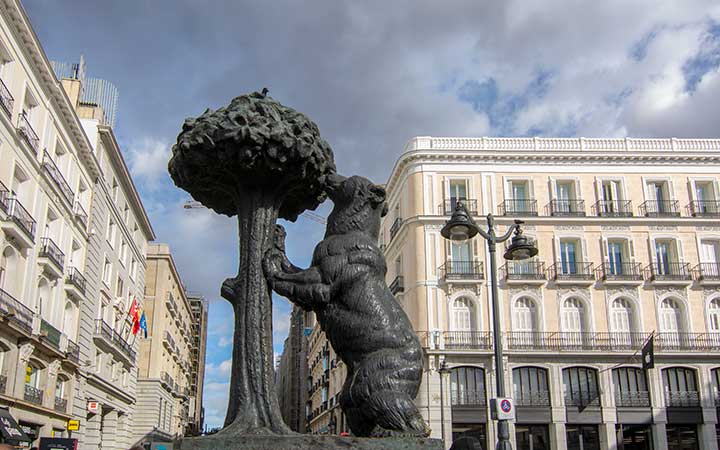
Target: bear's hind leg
point(396, 415)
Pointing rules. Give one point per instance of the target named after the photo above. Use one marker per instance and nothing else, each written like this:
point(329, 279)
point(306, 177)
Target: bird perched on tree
point(265, 91)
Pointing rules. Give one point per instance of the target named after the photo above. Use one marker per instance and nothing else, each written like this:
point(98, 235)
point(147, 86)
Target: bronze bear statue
point(345, 287)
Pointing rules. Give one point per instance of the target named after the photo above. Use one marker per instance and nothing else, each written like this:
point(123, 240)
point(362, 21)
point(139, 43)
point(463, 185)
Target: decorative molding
point(524, 289)
point(710, 292)
point(615, 227)
point(569, 227)
point(622, 291)
point(662, 227)
point(54, 368)
point(25, 351)
point(433, 227)
point(703, 228)
point(583, 293)
point(661, 292)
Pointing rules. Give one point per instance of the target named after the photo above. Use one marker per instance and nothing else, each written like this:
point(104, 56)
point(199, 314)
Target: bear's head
point(359, 205)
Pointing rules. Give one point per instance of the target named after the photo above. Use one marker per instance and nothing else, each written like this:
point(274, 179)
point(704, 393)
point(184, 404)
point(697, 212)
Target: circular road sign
point(505, 405)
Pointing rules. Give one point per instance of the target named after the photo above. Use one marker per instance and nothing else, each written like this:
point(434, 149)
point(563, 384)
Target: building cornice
point(156, 252)
point(562, 151)
point(17, 18)
point(131, 194)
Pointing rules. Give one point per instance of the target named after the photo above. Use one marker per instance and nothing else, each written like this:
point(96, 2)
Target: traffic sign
point(502, 409)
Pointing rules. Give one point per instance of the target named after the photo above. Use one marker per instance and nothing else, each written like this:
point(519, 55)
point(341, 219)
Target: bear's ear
point(376, 194)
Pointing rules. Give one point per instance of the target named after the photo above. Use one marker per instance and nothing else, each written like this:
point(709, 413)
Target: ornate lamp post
point(461, 227)
point(442, 371)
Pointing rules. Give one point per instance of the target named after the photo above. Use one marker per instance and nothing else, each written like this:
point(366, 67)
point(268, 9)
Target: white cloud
point(147, 160)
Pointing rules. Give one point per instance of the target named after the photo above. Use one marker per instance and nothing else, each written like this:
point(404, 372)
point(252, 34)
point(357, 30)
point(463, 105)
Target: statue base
point(306, 442)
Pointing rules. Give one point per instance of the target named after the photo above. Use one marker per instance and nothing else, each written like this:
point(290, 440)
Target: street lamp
point(442, 371)
point(460, 227)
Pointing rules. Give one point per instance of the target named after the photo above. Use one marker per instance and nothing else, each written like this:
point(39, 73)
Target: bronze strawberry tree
point(258, 160)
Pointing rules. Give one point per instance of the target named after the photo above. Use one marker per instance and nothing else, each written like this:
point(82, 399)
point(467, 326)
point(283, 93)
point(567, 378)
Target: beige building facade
point(629, 246)
point(199, 307)
point(166, 394)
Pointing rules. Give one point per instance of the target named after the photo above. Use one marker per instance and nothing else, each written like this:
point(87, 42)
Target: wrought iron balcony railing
point(73, 352)
point(660, 208)
point(583, 398)
point(532, 398)
point(6, 99)
point(170, 342)
point(709, 271)
point(20, 314)
point(50, 334)
point(524, 270)
point(27, 132)
point(106, 332)
point(60, 404)
point(4, 197)
point(395, 227)
point(397, 285)
point(468, 340)
point(682, 341)
point(33, 395)
point(631, 399)
point(682, 399)
point(613, 208)
point(57, 177)
point(462, 270)
point(572, 271)
point(566, 208)
point(50, 250)
point(574, 341)
point(466, 397)
point(518, 207)
point(704, 208)
point(448, 206)
point(621, 271)
point(670, 271)
point(170, 302)
point(18, 214)
point(76, 278)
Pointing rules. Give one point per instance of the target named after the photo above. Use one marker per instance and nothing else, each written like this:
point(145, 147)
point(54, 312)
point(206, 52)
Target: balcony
point(50, 335)
point(682, 341)
point(468, 340)
point(171, 305)
point(33, 395)
point(80, 214)
point(167, 381)
point(518, 207)
point(15, 312)
point(632, 399)
point(19, 224)
point(660, 208)
point(621, 273)
point(3, 384)
point(27, 133)
point(532, 398)
point(670, 272)
point(113, 341)
point(73, 352)
point(6, 99)
point(704, 208)
point(75, 283)
point(613, 208)
point(397, 285)
point(524, 272)
point(560, 341)
point(395, 227)
point(573, 272)
point(60, 405)
point(682, 399)
point(566, 208)
point(51, 258)
point(461, 271)
point(582, 399)
point(57, 177)
point(468, 398)
point(448, 206)
point(707, 273)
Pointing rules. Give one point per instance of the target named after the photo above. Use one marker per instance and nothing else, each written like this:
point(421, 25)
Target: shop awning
point(10, 429)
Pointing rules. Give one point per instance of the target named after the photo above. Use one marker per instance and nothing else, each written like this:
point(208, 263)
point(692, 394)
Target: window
point(573, 316)
point(133, 268)
point(618, 256)
point(60, 387)
point(32, 376)
point(467, 386)
point(622, 316)
point(126, 214)
point(111, 231)
point(566, 198)
point(714, 315)
point(580, 385)
point(630, 387)
point(107, 272)
point(98, 362)
point(524, 316)
point(710, 258)
point(670, 316)
point(530, 385)
point(570, 256)
point(520, 201)
point(659, 198)
point(680, 385)
point(123, 252)
point(462, 314)
point(612, 191)
point(114, 190)
point(666, 257)
point(119, 287)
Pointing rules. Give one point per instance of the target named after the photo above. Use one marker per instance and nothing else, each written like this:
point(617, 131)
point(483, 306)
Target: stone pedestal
point(305, 442)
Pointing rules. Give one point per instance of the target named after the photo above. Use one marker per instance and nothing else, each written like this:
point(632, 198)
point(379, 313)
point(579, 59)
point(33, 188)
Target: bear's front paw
point(228, 289)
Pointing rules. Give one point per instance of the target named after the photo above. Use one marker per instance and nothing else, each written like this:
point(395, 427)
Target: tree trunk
point(253, 406)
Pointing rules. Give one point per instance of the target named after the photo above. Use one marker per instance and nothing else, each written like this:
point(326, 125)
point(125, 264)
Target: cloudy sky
point(372, 74)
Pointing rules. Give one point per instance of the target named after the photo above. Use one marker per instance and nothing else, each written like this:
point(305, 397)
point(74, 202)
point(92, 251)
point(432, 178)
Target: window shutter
point(631, 246)
point(603, 250)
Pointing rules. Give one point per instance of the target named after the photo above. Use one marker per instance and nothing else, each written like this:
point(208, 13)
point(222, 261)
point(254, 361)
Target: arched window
point(462, 314)
point(69, 320)
point(43, 300)
point(680, 385)
point(467, 386)
point(573, 315)
point(530, 385)
point(61, 393)
point(524, 316)
point(714, 314)
point(9, 263)
point(630, 387)
point(670, 316)
point(622, 315)
point(581, 387)
point(33, 392)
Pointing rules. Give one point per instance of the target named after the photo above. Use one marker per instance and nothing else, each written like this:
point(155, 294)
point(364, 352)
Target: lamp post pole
point(461, 226)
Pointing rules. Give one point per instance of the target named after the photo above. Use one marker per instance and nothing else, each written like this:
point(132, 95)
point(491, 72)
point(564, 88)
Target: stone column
point(706, 436)
point(659, 435)
point(657, 399)
point(109, 430)
point(24, 352)
point(91, 439)
point(606, 430)
point(558, 437)
point(608, 436)
point(50, 382)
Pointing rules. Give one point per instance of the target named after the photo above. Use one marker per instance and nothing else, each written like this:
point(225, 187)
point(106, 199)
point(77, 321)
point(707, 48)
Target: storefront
point(634, 437)
point(32, 430)
point(682, 437)
point(10, 431)
point(477, 431)
point(582, 437)
point(532, 437)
